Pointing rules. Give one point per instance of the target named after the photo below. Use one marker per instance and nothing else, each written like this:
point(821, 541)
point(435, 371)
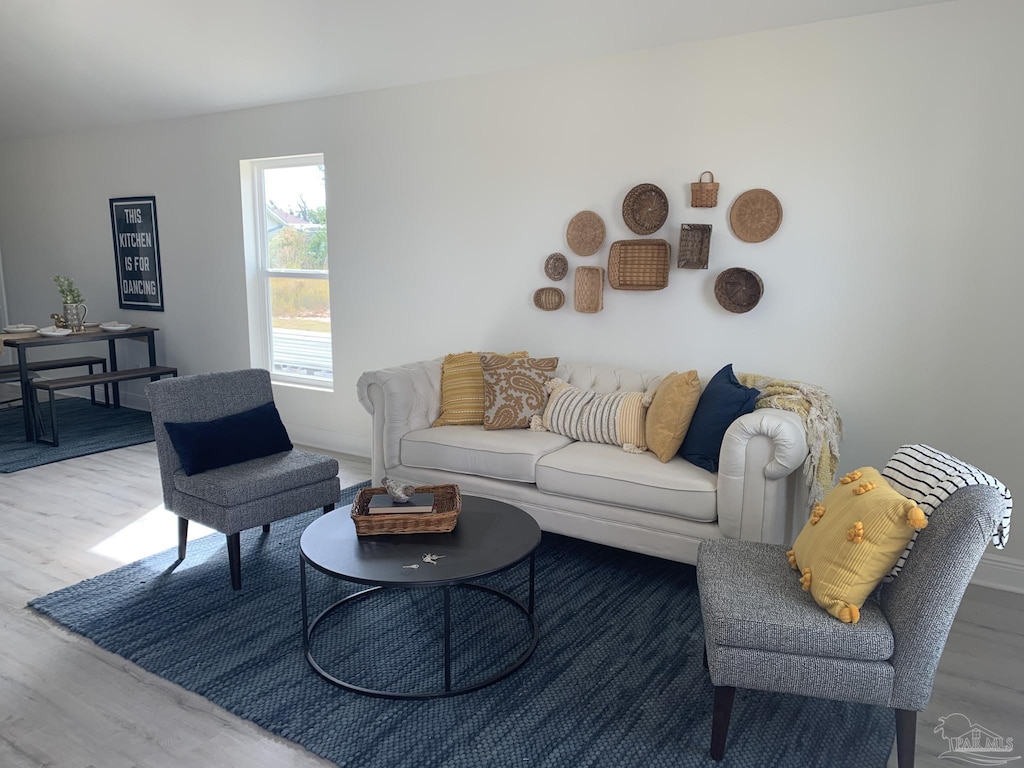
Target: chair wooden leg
point(724, 695)
point(328, 508)
point(235, 559)
point(266, 528)
point(906, 736)
point(182, 537)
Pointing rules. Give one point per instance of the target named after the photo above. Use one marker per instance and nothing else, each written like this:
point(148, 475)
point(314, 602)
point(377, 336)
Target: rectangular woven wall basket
point(694, 246)
point(589, 293)
point(639, 265)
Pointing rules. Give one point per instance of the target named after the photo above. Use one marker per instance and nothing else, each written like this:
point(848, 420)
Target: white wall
point(892, 140)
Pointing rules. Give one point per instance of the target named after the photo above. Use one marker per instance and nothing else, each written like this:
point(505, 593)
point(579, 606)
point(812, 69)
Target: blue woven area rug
point(616, 680)
point(84, 428)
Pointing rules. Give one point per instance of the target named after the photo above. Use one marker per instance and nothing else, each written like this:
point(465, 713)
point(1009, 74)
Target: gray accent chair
point(240, 496)
point(763, 632)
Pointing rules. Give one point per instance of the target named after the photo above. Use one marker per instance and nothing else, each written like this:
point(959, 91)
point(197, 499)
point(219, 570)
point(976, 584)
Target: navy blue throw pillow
point(204, 445)
point(723, 401)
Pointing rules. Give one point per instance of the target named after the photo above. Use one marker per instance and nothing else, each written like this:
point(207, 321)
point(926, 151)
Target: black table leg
point(532, 571)
point(305, 608)
point(112, 354)
point(27, 398)
point(447, 638)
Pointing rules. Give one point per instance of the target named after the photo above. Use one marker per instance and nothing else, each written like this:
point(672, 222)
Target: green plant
point(68, 293)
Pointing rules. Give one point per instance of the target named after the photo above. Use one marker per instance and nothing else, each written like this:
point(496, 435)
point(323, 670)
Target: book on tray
point(382, 504)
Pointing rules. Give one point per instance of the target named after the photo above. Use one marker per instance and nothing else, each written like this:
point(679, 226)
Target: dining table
point(23, 342)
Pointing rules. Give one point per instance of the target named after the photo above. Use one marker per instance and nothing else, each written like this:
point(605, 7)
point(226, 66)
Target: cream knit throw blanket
point(822, 423)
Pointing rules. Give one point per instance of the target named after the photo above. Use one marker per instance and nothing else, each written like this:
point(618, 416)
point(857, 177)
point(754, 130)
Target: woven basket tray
point(447, 505)
point(638, 265)
point(694, 246)
point(548, 298)
point(585, 233)
point(755, 216)
point(589, 293)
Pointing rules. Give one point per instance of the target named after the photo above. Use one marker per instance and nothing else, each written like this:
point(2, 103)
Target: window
point(287, 268)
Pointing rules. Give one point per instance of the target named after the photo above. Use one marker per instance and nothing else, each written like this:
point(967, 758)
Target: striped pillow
point(615, 419)
point(929, 477)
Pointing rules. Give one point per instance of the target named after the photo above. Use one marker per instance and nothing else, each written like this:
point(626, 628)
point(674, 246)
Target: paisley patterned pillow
point(514, 389)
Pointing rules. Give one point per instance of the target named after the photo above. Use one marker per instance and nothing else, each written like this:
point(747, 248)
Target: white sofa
point(590, 491)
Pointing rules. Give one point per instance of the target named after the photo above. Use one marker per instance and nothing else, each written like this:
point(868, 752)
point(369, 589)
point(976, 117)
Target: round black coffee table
point(490, 537)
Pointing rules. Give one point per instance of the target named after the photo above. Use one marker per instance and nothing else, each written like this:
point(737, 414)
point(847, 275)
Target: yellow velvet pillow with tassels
point(852, 540)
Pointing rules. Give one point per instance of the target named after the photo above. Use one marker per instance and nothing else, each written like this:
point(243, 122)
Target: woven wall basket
point(556, 266)
point(645, 209)
point(639, 265)
point(704, 194)
point(589, 293)
point(549, 298)
point(756, 215)
point(739, 290)
point(585, 233)
point(694, 246)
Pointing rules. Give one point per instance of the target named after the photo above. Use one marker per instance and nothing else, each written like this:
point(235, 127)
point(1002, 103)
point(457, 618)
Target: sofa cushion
point(616, 418)
point(462, 389)
point(472, 450)
point(723, 401)
point(514, 389)
point(606, 474)
point(670, 413)
point(852, 539)
point(251, 434)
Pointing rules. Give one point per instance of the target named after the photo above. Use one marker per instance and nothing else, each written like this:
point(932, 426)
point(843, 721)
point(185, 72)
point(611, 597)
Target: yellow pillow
point(853, 539)
point(462, 389)
point(670, 413)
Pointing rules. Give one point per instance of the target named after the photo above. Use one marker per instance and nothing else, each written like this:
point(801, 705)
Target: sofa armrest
point(761, 493)
point(400, 400)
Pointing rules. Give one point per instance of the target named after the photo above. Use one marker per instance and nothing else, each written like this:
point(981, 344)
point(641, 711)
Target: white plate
point(90, 325)
point(115, 326)
point(20, 328)
point(53, 331)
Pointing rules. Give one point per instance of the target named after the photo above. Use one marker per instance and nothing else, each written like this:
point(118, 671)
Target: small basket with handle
point(704, 194)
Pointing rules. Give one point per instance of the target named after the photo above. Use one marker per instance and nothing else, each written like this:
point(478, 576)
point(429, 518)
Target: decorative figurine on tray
point(399, 493)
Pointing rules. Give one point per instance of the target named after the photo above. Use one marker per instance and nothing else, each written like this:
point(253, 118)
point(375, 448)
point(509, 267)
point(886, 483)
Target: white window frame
point(258, 274)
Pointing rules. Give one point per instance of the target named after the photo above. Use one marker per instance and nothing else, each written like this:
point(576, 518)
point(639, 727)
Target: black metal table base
point(308, 629)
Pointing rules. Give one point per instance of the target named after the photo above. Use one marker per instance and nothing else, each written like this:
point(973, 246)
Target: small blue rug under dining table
point(84, 429)
point(617, 679)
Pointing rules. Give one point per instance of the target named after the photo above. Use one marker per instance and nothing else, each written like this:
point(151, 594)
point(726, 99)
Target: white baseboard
point(999, 572)
point(328, 440)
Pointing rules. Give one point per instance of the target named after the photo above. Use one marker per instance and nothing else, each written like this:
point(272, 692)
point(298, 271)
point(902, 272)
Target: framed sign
point(137, 252)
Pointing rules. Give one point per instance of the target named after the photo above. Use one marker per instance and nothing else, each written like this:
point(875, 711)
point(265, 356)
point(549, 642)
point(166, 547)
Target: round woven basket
point(548, 298)
point(755, 216)
point(585, 233)
point(556, 266)
point(645, 209)
point(738, 290)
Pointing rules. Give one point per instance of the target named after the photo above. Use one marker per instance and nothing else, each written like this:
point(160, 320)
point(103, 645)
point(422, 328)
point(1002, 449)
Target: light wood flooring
point(66, 703)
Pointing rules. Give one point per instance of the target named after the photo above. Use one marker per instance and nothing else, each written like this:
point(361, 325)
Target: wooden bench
point(65, 362)
point(51, 386)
